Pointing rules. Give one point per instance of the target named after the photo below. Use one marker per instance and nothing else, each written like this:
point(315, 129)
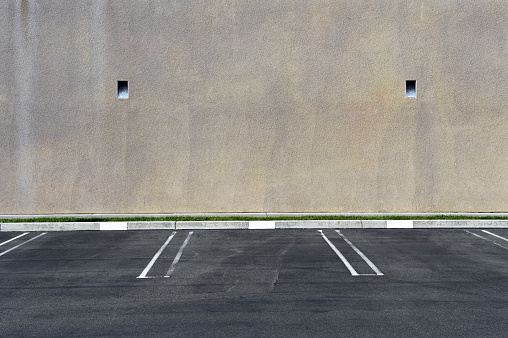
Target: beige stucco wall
point(242, 105)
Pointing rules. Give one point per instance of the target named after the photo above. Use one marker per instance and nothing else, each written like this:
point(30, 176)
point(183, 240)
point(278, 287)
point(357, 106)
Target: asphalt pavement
point(255, 283)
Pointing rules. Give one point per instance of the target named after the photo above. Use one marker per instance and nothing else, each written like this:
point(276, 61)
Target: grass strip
point(242, 218)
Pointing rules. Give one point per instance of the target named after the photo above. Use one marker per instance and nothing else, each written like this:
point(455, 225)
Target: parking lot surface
point(308, 282)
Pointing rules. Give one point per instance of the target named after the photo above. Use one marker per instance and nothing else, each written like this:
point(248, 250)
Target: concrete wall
point(239, 105)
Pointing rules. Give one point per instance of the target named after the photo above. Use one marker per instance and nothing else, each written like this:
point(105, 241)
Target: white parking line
point(178, 255)
point(493, 234)
point(17, 246)
point(485, 238)
point(341, 256)
point(152, 262)
point(372, 266)
point(12, 239)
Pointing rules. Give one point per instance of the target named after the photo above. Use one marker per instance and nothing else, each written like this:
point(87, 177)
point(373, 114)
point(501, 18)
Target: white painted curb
point(260, 225)
point(113, 226)
point(402, 224)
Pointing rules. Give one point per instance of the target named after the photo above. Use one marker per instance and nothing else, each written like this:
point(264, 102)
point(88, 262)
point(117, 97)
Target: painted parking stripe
point(178, 255)
point(154, 258)
point(368, 261)
point(12, 239)
point(399, 224)
point(261, 225)
point(341, 256)
point(487, 239)
point(493, 234)
point(17, 246)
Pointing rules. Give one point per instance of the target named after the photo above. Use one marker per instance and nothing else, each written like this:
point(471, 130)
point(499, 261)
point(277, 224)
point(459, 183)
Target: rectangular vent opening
point(411, 88)
point(123, 89)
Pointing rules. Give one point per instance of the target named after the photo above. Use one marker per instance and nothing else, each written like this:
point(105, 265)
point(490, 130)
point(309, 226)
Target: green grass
point(242, 218)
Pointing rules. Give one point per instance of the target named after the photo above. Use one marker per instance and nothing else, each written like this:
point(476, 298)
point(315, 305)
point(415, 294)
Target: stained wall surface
point(238, 105)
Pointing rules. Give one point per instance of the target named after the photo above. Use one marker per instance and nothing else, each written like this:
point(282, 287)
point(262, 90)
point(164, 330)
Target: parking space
point(255, 282)
point(497, 237)
point(239, 262)
point(15, 241)
point(101, 256)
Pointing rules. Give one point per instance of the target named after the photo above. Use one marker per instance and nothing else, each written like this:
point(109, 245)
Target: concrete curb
point(254, 225)
point(214, 225)
point(436, 224)
point(82, 226)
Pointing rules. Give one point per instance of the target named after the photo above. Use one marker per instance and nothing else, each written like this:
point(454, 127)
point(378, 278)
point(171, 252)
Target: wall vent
point(411, 88)
point(123, 89)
